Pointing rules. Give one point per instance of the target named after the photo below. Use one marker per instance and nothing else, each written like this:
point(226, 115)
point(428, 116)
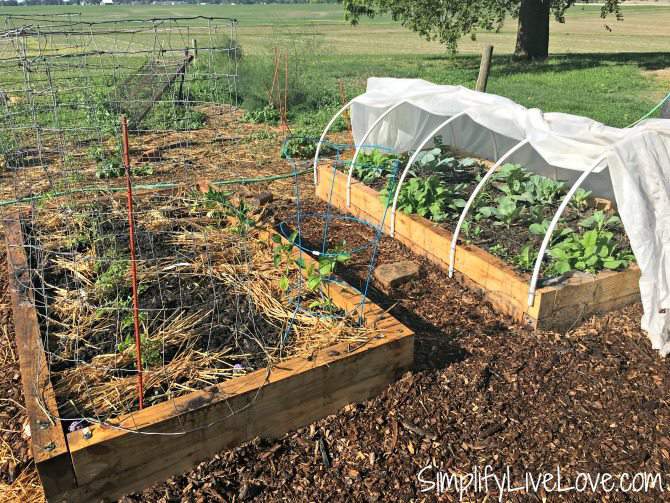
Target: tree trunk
point(532, 38)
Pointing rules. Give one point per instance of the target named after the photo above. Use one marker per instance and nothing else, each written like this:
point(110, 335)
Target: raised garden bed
point(498, 244)
point(337, 361)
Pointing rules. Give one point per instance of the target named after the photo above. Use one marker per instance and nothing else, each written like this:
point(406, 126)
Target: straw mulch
point(211, 306)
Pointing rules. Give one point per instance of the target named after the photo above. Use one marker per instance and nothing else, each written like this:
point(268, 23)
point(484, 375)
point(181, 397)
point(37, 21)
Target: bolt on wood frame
point(135, 450)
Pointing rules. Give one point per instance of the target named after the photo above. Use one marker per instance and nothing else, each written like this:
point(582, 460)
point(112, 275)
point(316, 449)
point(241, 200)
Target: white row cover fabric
point(560, 146)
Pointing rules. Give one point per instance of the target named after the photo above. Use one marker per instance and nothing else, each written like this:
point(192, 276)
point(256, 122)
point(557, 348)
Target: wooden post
point(484, 68)
point(194, 44)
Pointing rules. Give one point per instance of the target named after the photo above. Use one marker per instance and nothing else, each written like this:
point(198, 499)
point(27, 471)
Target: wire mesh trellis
point(215, 300)
point(64, 84)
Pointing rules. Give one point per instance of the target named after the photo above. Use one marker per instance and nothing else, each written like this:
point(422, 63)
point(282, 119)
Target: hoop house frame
point(428, 242)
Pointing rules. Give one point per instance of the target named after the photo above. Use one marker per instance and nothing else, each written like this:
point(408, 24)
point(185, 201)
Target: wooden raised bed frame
point(557, 307)
point(104, 463)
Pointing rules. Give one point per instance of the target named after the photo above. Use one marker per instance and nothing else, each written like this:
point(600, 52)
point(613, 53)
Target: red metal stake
point(133, 263)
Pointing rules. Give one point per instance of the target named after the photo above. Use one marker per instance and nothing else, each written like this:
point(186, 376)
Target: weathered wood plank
point(113, 462)
point(48, 442)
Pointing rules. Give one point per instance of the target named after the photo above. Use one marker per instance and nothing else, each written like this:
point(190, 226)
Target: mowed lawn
point(610, 70)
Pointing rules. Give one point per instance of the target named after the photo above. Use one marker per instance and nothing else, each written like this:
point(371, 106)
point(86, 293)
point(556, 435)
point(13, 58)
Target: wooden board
point(166, 439)
point(48, 442)
point(558, 307)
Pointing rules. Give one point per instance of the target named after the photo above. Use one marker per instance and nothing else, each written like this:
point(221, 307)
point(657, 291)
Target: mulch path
point(483, 391)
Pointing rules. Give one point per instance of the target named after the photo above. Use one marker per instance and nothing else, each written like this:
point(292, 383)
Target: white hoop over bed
point(362, 142)
point(473, 196)
point(323, 136)
point(636, 176)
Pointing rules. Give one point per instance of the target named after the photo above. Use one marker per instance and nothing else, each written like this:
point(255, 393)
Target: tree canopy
point(448, 20)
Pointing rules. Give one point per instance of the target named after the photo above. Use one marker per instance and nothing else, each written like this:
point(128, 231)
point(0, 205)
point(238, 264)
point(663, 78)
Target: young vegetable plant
point(113, 278)
point(428, 197)
point(281, 253)
point(302, 145)
point(543, 190)
point(110, 165)
point(220, 205)
point(151, 348)
point(499, 250)
point(580, 199)
point(511, 179)
point(317, 274)
point(525, 259)
point(470, 231)
point(592, 250)
point(373, 165)
point(506, 212)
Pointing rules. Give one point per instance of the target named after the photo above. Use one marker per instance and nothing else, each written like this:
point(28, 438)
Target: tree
point(448, 20)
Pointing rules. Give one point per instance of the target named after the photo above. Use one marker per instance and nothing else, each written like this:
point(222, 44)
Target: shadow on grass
point(507, 65)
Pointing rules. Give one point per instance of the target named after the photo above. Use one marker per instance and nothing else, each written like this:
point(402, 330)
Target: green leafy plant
point(220, 205)
point(591, 250)
point(267, 114)
point(434, 159)
point(373, 165)
point(470, 231)
point(525, 259)
point(109, 167)
point(539, 228)
point(143, 170)
point(499, 250)
point(113, 278)
point(512, 179)
point(580, 199)
point(302, 145)
point(281, 252)
point(506, 212)
point(151, 348)
point(325, 268)
point(241, 211)
point(600, 221)
point(427, 197)
point(544, 190)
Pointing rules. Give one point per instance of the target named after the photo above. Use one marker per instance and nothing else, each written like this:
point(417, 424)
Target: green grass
point(594, 72)
point(609, 88)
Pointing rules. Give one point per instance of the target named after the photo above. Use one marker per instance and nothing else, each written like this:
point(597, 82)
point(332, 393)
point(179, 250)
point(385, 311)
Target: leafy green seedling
point(373, 165)
point(525, 259)
point(580, 199)
point(428, 197)
point(591, 251)
point(499, 250)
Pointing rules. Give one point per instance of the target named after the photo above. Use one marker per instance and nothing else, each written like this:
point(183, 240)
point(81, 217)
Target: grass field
point(607, 75)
